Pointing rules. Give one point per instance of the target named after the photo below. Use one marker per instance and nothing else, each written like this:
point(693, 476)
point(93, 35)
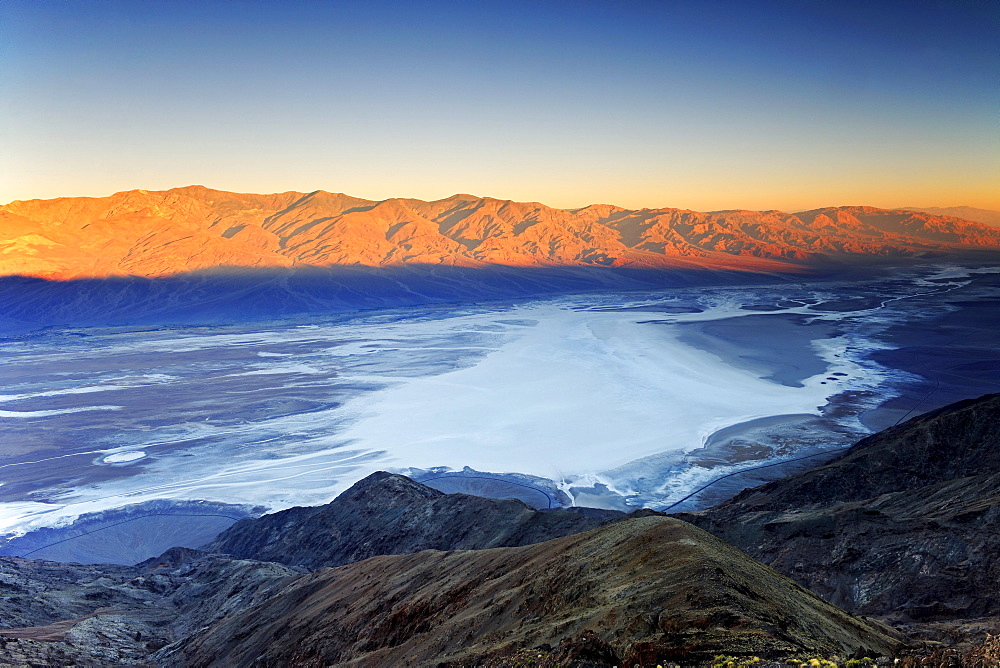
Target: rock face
point(638, 591)
point(906, 523)
point(163, 233)
point(101, 615)
point(391, 514)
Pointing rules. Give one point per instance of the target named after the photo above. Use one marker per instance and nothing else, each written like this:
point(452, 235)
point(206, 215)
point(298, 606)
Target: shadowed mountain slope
point(164, 233)
point(905, 523)
point(638, 591)
point(391, 514)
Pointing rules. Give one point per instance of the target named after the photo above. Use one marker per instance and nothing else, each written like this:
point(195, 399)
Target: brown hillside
point(636, 592)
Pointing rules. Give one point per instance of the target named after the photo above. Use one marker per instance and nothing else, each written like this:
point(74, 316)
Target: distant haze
point(984, 216)
point(708, 105)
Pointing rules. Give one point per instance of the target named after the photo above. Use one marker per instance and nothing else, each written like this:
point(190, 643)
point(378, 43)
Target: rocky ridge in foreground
point(642, 586)
point(644, 589)
point(905, 523)
point(640, 591)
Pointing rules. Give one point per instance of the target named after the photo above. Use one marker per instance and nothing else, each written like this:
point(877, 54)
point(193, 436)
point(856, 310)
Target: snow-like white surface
point(580, 392)
point(121, 457)
point(61, 411)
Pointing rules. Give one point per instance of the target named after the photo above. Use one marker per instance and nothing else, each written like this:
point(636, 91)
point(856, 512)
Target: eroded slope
point(905, 523)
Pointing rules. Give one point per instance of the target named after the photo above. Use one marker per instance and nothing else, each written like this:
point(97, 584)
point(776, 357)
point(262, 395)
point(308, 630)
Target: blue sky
point(704, 105)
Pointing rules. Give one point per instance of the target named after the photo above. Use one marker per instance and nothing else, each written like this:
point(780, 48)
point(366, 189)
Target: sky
point(705, 105)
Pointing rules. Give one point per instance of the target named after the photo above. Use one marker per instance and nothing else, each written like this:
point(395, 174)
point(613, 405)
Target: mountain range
point(163, 233)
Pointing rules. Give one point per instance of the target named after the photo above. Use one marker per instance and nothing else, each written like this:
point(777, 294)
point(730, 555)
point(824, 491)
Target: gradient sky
point(702, 104)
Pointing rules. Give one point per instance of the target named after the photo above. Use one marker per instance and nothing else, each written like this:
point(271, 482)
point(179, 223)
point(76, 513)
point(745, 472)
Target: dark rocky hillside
point(102, 615)
point(906, 523)
point(639, 591)
point(639, 586)
point(392, 514)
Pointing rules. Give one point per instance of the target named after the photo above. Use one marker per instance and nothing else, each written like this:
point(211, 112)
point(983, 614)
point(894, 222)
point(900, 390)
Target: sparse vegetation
point(859, 663)
point(724, 661)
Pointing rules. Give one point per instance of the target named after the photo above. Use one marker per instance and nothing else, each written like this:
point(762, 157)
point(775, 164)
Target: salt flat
point(578, 393)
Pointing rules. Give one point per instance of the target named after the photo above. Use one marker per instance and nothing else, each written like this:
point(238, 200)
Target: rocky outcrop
point(392, 514)
point(100, 615)
point(153, 234)
point(906, 523)
point(640, 591)
point(38, 593)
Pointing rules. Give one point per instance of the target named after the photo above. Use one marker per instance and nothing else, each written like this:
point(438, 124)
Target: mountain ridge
point(903, 524)
point(391, 514)
point(632, 593)
point(163, 233)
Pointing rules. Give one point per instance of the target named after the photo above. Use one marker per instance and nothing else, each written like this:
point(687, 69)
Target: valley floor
point(667, 399)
